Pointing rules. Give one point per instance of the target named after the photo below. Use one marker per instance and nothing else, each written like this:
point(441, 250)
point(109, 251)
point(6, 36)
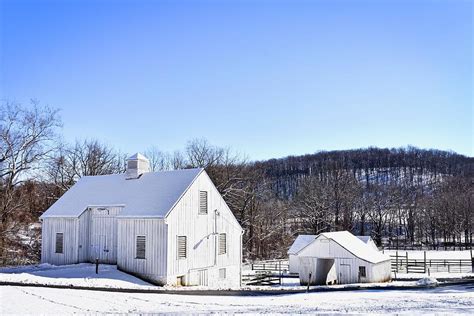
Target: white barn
point(170, 227)
point(303, 240)
point(341, 258)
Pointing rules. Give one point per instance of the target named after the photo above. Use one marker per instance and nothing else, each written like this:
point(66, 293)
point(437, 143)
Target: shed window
point(362, 273)
point(59, 243)
point(222, 244)
point(202, 202)
point(182, 249)
point(140, 247)
point(222, 273)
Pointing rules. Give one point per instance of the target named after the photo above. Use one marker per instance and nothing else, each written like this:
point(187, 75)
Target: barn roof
point(356, 246)
point(300, 242)
point(153, 194)
point(303, 240)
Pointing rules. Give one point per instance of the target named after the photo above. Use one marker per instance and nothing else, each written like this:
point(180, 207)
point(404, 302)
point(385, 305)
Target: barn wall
point(67, 226)
point(84, 232)
point(293, 263)
point(185, 220)
point(153, 267)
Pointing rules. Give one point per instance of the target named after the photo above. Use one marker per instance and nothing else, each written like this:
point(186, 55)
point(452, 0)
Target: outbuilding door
point(103, 235)
point(203, 280)
point(344, 276)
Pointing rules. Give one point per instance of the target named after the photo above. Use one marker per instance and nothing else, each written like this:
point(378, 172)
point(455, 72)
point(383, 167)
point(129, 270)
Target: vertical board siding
point(202, 244)
point(67, 226)
point(153, 267)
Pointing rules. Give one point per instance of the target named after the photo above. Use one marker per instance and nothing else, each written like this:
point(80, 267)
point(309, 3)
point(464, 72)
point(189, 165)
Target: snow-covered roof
point(356, 246)
point(153, 194)
point(300, 242)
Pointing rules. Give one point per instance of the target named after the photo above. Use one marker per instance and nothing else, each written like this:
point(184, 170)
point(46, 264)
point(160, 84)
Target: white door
point(203, 281)
point(99, 249)
point(344, 276)
point(103, 236)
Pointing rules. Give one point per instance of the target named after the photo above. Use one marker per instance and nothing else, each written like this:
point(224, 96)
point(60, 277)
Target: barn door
point(344, 276)
point(103, 235)
point(99, 248)
point(203, 280)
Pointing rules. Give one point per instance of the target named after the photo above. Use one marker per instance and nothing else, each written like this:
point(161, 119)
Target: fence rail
point(401, 263)
point(272, 266)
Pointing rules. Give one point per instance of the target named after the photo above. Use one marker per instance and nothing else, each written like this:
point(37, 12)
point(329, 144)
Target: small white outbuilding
point(303, 240)
point(341, 258)
point(170, 227)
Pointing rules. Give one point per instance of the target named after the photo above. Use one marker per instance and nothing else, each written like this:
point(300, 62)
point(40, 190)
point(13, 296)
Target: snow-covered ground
point(82, 274)
point(38, 300)
point(444, 300)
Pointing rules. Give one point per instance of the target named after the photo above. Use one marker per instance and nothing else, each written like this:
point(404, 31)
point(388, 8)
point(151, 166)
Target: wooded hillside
point(401, 197)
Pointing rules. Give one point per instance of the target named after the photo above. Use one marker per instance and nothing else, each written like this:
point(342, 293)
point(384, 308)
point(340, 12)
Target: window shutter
point(222, 244)
point(202, 202)
point(182, 247)
point(141, 246)
point(59, 242)
point(222, 273)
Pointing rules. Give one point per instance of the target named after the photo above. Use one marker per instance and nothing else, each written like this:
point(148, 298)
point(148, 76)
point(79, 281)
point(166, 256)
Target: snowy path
point(29, 300)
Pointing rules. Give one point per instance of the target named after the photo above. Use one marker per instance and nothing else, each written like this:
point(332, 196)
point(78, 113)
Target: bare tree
point(159, 160)
point(27, 137)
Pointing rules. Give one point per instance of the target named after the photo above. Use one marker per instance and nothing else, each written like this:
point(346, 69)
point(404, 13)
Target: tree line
point(401, 197)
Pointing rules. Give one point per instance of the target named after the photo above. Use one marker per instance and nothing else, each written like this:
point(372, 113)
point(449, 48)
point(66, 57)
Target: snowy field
point(82, 274)
point(443, 300)
point(35, 300)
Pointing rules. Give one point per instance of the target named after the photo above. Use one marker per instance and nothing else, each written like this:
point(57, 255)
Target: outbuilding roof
point(303, 240)
point(354, 245)
point(300, 242)
point(153, 194)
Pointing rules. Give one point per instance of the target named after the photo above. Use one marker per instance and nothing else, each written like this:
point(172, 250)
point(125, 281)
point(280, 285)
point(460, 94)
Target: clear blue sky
point(267, 78)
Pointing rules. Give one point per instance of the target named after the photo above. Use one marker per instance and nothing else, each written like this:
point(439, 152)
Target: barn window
point(140, 247)
point(222, 244)
point(59, 243)
point(222, 273)
point(202, 202)
point(362, 272)
point(182, 249)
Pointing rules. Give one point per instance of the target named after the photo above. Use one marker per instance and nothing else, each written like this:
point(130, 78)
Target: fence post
point(407, 260)
point(309, 281)
point(424, 257)
point(279, 269)
point(472, 261)
point(396, 261)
